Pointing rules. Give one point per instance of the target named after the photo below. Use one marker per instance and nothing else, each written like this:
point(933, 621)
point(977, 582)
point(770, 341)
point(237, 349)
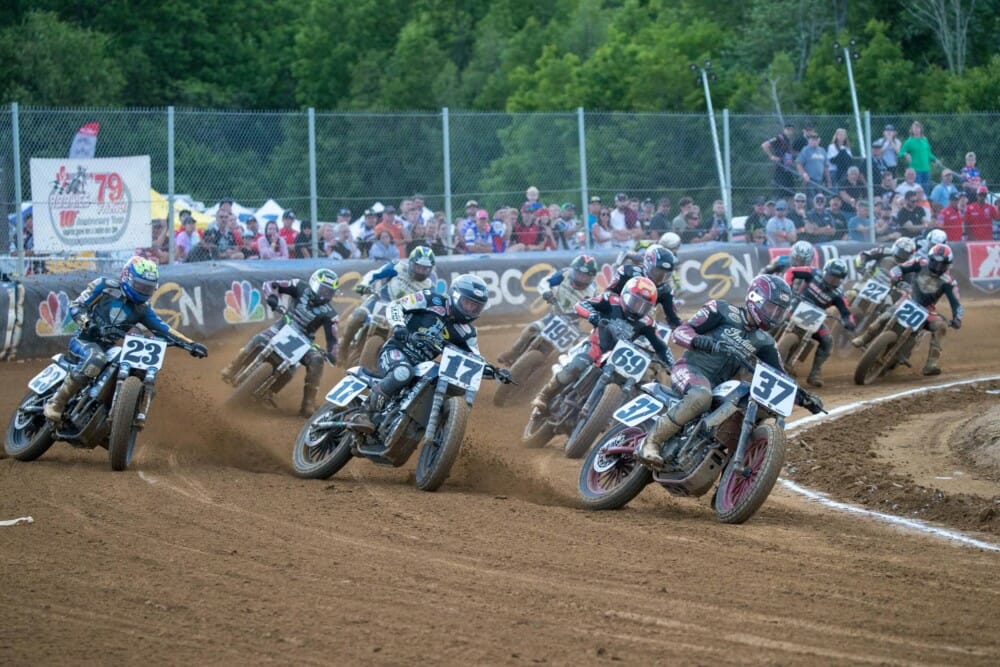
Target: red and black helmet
point(638, 296)
point(939, 259)
point(768, 300)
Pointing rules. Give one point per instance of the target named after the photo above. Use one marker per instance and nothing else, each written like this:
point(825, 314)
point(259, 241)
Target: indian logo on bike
point(243, 303)
point(984, 265)
point(53, 316)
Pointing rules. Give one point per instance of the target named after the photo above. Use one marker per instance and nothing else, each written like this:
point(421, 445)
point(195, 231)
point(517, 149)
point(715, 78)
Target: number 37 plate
point(773, 389)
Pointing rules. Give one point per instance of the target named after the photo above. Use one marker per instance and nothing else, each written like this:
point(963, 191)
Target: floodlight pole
point(703, 75)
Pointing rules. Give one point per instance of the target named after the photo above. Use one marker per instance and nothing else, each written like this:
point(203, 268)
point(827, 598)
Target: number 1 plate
point(290, 344)
point(142, 352)
point(773, 389)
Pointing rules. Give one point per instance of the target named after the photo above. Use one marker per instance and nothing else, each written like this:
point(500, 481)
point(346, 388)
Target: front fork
point(749, 423)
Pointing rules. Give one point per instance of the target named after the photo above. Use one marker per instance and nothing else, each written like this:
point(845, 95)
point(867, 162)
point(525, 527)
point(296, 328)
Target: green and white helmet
point(324, 284)
point(421, 262)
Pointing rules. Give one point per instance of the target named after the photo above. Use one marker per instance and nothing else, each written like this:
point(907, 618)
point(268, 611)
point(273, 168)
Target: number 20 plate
point(773, 389)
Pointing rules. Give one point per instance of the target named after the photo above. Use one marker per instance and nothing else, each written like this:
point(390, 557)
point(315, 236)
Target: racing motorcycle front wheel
point(243, 395)
point(743, 490)
point(121, 442)
point(322, 448)
point(875, 361)
point(521, 371)
point(29, 434)
point(440, 449)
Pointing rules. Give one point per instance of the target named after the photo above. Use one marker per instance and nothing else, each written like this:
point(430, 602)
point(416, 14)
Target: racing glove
point(955, 323)
point(360, 287)
point(198, 351)
point(400, 334)
point(594, 319)
point(706, 344)
point(810, 402)
point(272, 301)
point(503, 376)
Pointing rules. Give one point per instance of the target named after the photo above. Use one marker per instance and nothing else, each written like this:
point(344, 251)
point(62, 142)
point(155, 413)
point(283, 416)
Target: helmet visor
point(581, 279)
point(325, 292)
point(419, 271)
point(773, 312)
point(142, 287)
point(470, 307)
point(636, 305)
point(832, 279)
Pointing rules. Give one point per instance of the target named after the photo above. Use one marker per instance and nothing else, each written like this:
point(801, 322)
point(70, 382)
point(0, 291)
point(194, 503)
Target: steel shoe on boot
point(858, 341)
point(814, 379)
point(650, 453)
point(932, 369)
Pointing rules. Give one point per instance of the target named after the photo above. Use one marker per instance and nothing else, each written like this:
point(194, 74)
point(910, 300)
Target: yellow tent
point(158, 211)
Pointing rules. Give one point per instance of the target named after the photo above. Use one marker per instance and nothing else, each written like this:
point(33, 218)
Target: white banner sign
point(96, 204)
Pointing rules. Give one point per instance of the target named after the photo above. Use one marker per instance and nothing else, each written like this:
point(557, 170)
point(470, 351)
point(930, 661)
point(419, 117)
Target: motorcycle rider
point(715, 339)
point(634, 254)
point(801, 254)
point(822, 289)
point(672, 242)
point(931, 239)
point(658, 265)
point(930, 280)
point(105, 312)
point(310, 309)
point(883, 259)
point(562, 289)
point(402, 277)
point(431, 319)
point(633, 305)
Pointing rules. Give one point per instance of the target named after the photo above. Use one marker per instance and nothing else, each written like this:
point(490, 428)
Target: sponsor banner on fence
point(208, 299)
point(96, 204)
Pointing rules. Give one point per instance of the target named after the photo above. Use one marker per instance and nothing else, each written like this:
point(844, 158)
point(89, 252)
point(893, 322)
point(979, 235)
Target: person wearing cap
point(798, 211)
point(818, 225)
point(781, 154)
point(565, 228)
point(912, 219)
point(484, 238)
point(344, 215)
point(397, 231)
point(951, 219)
point(890, 148)
point(780, 230)
point(813, 165)
point(852, 188)
point(801, 141)
point(969, 176)
point(188, 237)
point(593, 211)
point(879, 166)
point(288, 231)
point(980, 217)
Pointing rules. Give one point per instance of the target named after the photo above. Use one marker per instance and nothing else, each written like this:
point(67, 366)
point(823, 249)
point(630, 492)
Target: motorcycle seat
point(664, 394)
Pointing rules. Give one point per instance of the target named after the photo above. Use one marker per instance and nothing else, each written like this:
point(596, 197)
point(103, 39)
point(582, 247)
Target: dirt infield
point(209, 551)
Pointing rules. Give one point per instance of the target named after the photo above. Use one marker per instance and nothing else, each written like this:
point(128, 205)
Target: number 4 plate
point(773, 389)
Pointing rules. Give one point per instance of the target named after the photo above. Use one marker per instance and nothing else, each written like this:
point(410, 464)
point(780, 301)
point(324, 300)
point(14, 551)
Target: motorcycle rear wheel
point(521, 371)
point(121, 442)
point(537, 433)
point(28, 436)
point(872, 366)
point(739, 496)
point(597, 422)
point(319, 455)
point(626, 477)
point(439, 451)
point(368, 359)
point(243, 395)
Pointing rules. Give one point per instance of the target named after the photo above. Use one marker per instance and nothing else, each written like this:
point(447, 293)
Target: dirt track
point(209, 551)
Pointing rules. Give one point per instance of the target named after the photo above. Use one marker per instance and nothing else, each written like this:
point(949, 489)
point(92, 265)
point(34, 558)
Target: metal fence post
point(313, 203)
point(868, 176)
point(16, 134)
point(727, 189)
point(446, 151)
point(585, 209)
point(171, 241)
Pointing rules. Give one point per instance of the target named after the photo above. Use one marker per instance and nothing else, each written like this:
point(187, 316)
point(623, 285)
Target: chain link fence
point(450, 157)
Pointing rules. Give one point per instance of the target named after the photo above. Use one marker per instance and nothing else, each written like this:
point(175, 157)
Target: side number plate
point(45, 380)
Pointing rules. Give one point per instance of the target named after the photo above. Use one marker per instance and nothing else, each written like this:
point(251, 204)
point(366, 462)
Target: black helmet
point(583, 271)
point(939, 259)
point(834, 272)
point(468, 297)
point(658, 263)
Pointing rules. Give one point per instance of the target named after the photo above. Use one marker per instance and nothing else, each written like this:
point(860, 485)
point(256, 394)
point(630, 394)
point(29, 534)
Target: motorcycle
point(431, 413)
point(109, 411)
point(871, 298)
point(901, 332)
point(796, 342)
point(583, 409)
point(362, 346)
point(266, 373)
point(738, 446)
point(558, 335)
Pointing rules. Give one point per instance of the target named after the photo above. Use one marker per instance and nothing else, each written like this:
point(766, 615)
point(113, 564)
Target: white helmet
point(936, 236)
point(670, 241)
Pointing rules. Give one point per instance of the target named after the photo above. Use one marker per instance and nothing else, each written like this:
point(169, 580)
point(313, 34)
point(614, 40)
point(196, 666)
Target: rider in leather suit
point(309, 310)
point(715, 338)
point(105, 311)
point(658, 265)
point(801, 254)
point(822, 289)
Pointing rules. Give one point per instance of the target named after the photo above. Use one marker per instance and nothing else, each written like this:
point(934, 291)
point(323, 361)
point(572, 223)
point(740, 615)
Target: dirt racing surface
point(208, 550)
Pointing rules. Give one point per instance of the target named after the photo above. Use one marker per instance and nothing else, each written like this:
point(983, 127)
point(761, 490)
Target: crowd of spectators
point(821, 195)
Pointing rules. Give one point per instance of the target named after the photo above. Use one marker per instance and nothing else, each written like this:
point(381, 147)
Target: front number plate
point(773, 389)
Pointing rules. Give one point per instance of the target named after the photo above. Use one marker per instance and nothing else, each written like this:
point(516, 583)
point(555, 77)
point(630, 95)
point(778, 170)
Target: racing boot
point(664, 429)
point(541, 402)
point(55, 406)
point(308, 401)
point(904, 352)
point(866, 336)
point(933, 355)
point(509, 357)
point(361, 421)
